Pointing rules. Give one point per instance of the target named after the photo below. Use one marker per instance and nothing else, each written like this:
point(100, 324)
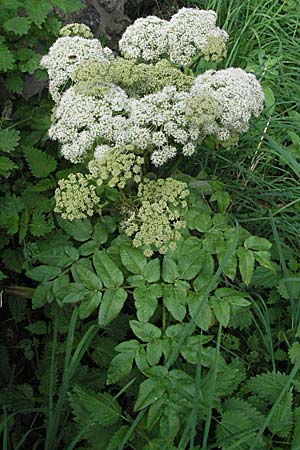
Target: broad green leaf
point(41, 295)
point(149, 392)
point(94, 408)
point(204, 318)
point(223, 200)
point(88, 248)
point(7, 58)
point(6, 166)
point(145, 300)
point(155, 412)
point(37, 10)
point(128, 346)
point(100, 234)
point(17, 25)
point(221, 308)
point(80, 230)
point(141, 359)
point(191, 260)
point(86, 277)
point(232, 296)
point(152, 271)
point(9, 139)
point(58, 255)
point(170, 422)
point(175, 300)
point(202, 222)
point(264, 259)
point(109, 273)
point(154, 352)
point(282, 418)
point(111, 305)
point(43, 273)
point(75, 297)
point(119, 367)
point(133, 260)
point(246, 264)
point(169, 270)
point(60, 285)
point(40, 163)
point(89, 304)
point(145, 331)
point(257, 243)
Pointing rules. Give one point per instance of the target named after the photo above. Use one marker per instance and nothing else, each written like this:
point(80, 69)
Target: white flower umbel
point(67, 53)
point(80, 120)
point(146, 39)
point(194, 32)
point(222, 102)
point(163, 114)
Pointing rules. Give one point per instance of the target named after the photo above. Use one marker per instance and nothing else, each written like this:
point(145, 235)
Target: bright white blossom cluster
point(126, 116)
point(66, 54)
point(222, 102)
point(190, 32)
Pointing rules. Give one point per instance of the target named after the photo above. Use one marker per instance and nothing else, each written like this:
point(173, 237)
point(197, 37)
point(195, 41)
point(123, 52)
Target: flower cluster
point(76, 197)
point(66, 53)
point(136, 79)
point(190, 32)
point(155, 225)
point(127, 116)
point(116, 166)
point(222, 102)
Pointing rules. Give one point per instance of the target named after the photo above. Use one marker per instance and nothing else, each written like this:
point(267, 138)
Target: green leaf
point(80, 230)
point(174, 300)
point(246, 264)
point(268, 385)
point(7, 58)
point(60, 255)
point(40, 163)
point(191, 259)
point(257, 243)
point(223, 200)
point(68, 6)
point(145, 331)
point(170, 422)
point(221, 308)
point(17, 25)
point(169, 270)
point(282, 419)
point(108, 271)
point(133, 260)
point(269, 99)
point(91, 408)
point(38, 327)
point(86, 277)
point(294, 352)
point(89, 304)
point(112, 303)
point(41, 295)
point(100, 234)
point(202, 222)
point(37, 10)
point(43, 273)
point(9, 139)
point(119, 367)
point(6, 166)
point(154, 352)
point(204, 318)
point(88, 248)
point(145, 300)
point(264, 259)
point(152, 271)
point(149, 392)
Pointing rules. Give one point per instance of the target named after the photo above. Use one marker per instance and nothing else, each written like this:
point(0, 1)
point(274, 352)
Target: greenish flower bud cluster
point(155, 225)
point(76, 197)
point(136, 79)
point(117, 166)
point(215, 48)
point(76, 29)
